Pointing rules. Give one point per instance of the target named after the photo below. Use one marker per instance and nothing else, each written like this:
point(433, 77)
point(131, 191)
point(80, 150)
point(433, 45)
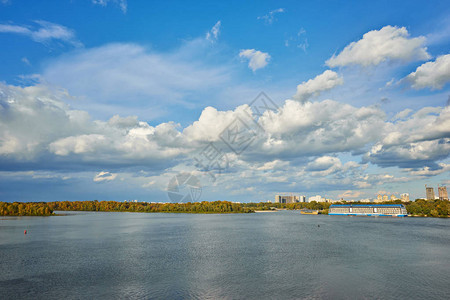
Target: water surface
point(282, 255)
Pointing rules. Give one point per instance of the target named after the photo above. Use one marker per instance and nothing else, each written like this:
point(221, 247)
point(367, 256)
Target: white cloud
point(35, 122)
point(327, 165)
point(270, 17)
point(412, 154)
point(122, 3)
point(213, 34)
point(427, 171)
point(377, 46)
point(323, 163)
point(104, 176)
point(86, 143)
point(211, 123)
point(403, 114)
point(273, 165)
point(111, 73)
point(149, 184)
point(350, 194)
point(45, 33)
point(313, 87)
point(315, 128)
point(417, 141)
point(257, 59)
point(36, 126)
point(433, 74)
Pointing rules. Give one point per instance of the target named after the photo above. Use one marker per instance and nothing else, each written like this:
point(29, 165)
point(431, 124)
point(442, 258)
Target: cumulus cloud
point(46, 32)
point(273, 165)
point(270, 17)
point(211, 123)
point(104, 176)
point(323, 163)
point(213, 34)
point(315, 128)
point(433, 74)
point(419, 140)
point(428, 172)
point(327, 165)
point(414, 154)
point(257, 59)
point(377, 46)
point(313, 87)
point(403, 114)
point(350, 194)
point(121, 3)
point(37, 126)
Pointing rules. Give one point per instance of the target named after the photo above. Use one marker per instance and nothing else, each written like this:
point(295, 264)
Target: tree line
point(25, 209)
point(190, 207)
point(421, 207)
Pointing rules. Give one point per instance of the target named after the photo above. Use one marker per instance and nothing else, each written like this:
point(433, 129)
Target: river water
point(274, 255)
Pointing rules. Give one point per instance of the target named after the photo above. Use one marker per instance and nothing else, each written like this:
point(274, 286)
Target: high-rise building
point(302, 199)
point(385, 198)
point(393, 197)
point(379, 199)
point(286, 199)
point(442, 191)
point(430, 193)
point(404, 197)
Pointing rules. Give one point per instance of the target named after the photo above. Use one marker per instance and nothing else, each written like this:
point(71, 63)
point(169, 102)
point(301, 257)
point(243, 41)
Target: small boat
point(309, 212)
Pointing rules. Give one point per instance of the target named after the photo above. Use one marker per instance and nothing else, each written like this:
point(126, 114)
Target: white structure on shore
point(404, 197)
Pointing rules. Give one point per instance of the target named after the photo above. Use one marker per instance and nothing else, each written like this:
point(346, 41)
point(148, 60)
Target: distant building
point(302, 199)
point(404, 197)
point(430, 193)
point(385, 198)
point(379, 199)
point(286, 199)
point(393, 197)
point(367, 200)
point(442, 191)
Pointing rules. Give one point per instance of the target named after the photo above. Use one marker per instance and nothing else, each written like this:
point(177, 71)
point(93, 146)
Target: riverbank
point(419, 208)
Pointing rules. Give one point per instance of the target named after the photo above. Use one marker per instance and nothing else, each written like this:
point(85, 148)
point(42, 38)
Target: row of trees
point(433, 208)
point(321, 206)
point(25, 209)
point(195, 207)
point(429, 208)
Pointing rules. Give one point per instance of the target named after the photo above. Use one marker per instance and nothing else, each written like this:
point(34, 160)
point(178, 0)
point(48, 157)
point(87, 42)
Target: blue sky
point(109, 100)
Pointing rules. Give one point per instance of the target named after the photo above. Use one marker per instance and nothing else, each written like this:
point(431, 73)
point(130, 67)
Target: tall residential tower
point(442, 191)
point(430, 193)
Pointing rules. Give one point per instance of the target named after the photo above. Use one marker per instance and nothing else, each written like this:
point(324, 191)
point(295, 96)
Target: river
point(280, 255)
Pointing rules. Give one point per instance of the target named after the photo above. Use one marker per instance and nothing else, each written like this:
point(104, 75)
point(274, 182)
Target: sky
point(118, 100)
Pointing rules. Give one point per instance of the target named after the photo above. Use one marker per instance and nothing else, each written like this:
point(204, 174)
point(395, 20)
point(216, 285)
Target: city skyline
point(113, 100)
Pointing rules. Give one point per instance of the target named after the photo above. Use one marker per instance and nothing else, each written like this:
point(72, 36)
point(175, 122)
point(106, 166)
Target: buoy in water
point(24, 232)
